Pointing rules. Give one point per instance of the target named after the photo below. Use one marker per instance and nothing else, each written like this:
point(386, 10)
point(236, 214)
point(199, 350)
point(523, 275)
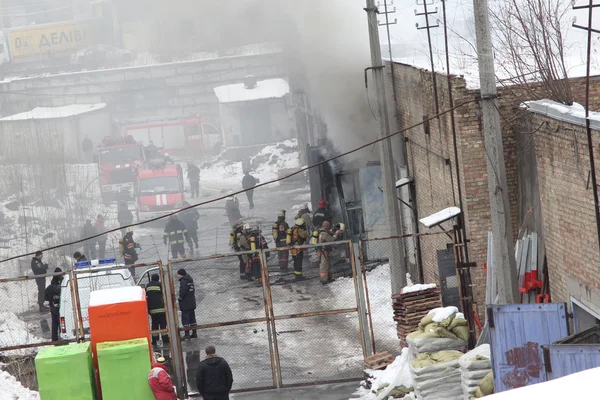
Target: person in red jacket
point(160, 382)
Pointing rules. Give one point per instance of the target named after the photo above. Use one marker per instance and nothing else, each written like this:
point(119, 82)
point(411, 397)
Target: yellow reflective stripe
point(157, 311)
point(297, 273)
point(153, 288)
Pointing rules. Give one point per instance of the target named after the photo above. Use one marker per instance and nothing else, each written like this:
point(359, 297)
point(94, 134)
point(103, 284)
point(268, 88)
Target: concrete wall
point(165, 90)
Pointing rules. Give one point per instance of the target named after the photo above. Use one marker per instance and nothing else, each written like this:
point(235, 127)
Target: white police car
point(99, 277)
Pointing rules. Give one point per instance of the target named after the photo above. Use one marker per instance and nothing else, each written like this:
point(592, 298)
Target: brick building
point(431, 163)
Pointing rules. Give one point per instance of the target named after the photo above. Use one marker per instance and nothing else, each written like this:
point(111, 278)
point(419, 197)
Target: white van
point(88, 282)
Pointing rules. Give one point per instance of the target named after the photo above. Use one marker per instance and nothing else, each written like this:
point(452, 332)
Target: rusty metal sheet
point(517, 334)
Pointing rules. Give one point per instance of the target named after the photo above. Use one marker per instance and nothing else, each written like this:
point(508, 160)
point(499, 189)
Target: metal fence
point(279, 329)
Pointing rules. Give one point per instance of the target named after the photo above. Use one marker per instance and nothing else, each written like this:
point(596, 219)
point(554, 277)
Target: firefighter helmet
point(299, 222)
point(281, 214)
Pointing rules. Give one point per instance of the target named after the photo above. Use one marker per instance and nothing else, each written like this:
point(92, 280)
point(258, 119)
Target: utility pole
point(504, 255)
point(397, 259)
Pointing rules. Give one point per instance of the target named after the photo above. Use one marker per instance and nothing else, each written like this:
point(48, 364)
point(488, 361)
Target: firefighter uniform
point(256, 241)
point(156, 309)
point(129, 253)
point(175, 233)
point(235, 237)
point(297, 236)
point(280, 229)
point(326, 236)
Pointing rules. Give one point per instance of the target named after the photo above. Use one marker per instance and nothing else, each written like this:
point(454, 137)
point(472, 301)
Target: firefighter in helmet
point(256, 242)
point(237, 240)
point(128, 250)
point(280, 228)
point(297, 236)
point(327, 235)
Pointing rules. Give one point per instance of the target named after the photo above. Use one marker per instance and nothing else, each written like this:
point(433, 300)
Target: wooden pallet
point(410, 308)
point(379, 360)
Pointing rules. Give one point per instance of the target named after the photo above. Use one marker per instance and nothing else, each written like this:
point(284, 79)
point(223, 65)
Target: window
point(159, 185)
point(121, 155)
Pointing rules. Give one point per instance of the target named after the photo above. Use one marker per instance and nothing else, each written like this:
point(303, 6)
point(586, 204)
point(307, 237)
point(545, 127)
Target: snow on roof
point(116, 295)
point(55, 112)
point(440, 216)
point(575, 386)
point(267, 89)
point(574, 114)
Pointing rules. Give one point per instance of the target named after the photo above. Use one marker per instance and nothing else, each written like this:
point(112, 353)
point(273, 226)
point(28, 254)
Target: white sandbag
point(469, 361)
point(475, 375)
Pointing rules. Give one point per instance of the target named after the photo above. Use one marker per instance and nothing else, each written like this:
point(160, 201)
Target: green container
point(66, 372)
point(124, 368)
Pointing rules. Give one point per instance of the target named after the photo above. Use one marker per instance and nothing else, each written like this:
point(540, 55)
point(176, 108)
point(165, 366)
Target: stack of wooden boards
point(411, 306)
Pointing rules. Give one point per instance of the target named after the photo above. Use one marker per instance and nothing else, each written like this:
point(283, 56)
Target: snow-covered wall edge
point(574, 114)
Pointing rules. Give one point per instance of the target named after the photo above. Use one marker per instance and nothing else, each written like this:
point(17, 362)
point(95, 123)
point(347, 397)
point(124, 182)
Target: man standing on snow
point(248, 182)
point(175, 233)
point(193, 174)
point(89, 245)
point(160, 382)
point(156, 308)
point(190, 219)
point(214, 377)
point(88, 148)
point(100, 228)
point(125, 217)
point(39, 268)
point(53, 298)
point(187, 303)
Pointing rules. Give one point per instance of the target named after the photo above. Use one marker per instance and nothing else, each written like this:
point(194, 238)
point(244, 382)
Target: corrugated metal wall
point(517, 334)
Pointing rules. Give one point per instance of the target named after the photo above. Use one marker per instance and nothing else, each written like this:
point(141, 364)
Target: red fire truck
point(117, 159)
point(158, 189)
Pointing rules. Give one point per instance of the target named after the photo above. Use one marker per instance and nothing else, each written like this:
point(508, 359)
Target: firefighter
point(190, 218)
point(193, 175)
point(124, 216)
point(280, 228)
point(187, 303)
point(53, 298)
point(306, 216)
point(256, 242)
point(128, 250)
point(236, 239)
point(327, 235)
point(297, 236)
point(176, 233)
point(232, 207)
point(248, 183)
point(156, 308)
point(321, 215)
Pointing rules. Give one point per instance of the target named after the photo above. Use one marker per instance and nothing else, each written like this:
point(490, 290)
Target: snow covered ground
point(11, 389)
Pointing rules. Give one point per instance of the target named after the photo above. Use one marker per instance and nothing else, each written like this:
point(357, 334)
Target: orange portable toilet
point(118, 314)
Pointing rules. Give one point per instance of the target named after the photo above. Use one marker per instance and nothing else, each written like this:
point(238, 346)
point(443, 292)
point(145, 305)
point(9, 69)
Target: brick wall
point(568, 210)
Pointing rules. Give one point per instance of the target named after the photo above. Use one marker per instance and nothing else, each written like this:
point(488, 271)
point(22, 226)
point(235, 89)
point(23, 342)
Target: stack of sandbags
point(436, 376)
point(474, 366)
point(485, 387)
point(441, 329)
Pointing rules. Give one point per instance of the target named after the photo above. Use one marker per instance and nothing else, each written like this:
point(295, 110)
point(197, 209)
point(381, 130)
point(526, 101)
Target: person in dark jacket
point(156, 308)
point(53, 297)
point(130, 255)
point(101, 239)
point(175, 233)
point(232, 208)
point(39, 268)
point(193, 174)
point(79, 257)
point(214, 377)
point(187, 302)
point(248, 182)
point(125, 217)
point(89, 245)
point(321, 215)
point(190, 220)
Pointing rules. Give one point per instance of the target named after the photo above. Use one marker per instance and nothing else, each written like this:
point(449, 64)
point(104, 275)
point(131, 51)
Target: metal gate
point(517, 334)
point(280, 332)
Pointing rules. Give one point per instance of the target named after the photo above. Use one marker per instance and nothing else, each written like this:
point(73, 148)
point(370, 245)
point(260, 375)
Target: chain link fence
point(430, 259)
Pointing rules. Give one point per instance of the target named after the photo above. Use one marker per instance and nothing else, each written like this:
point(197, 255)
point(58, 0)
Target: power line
point(301, 170)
